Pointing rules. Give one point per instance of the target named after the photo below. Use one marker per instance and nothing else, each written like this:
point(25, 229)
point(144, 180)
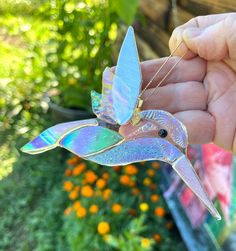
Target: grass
point(31, 204)
point(32, 200)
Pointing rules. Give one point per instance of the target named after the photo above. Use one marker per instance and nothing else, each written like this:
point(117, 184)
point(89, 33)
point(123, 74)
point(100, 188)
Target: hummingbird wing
point(102, 103)
point(90, 140)
point(50, 138)
point(127, 80)
point(120, 90)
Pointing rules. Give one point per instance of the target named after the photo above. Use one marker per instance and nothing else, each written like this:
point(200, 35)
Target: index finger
point(197, 22)
point(187, 70)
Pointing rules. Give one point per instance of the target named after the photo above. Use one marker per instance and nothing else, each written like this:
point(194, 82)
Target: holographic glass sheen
point(90, 140)
point(137, 150)
point(102, 104)
point(127, 80)
point(185, 170)
point(176, 130)
point(47, 139)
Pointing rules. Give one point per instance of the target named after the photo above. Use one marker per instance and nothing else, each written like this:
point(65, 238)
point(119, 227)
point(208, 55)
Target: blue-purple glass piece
point(89, 140)
point(49, 138)
point(141, 149)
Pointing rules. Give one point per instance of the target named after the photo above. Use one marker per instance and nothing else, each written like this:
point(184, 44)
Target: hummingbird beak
point(185, 170)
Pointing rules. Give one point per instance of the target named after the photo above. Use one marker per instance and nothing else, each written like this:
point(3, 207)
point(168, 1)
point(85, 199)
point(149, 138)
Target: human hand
point(201, 92)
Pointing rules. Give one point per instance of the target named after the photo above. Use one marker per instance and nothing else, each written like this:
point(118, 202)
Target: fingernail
point(192, 33)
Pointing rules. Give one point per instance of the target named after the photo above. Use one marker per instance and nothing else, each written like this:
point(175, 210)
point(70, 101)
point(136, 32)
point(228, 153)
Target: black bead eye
point(162, 133)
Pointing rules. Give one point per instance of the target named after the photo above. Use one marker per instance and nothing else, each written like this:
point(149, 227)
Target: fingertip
point(175, 43)
point(178, 46)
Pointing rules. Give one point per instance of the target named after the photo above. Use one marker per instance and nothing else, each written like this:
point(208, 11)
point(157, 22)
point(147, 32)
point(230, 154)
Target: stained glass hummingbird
point(154, 134)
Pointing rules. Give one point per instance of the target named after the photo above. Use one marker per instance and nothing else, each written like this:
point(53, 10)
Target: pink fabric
point(218, 167)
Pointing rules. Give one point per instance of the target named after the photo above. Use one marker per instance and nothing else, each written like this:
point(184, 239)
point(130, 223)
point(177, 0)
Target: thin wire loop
point(158, 71)
point(167, 74)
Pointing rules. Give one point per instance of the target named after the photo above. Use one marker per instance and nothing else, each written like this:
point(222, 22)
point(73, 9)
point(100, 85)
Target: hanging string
point(158, 71)
point(167, 74)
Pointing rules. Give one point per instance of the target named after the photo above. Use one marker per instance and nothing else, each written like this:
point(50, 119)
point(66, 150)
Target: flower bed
point(117, 208)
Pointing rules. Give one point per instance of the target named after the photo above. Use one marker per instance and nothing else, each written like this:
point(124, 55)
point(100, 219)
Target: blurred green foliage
point(82, 46)
point(19, 7)
point(57, 44)
point(85, 32)
point(23, 40)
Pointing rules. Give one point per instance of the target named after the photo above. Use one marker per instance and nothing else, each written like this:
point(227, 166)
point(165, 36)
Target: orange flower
point(157, 237)
point(67, 211)
point(90, 176)
point(84, 182)
point(154, 198)
point(79, 169)
point(106, 194)
point(101, 183)
point(159, 211)
point(81, 212)
point(151, 172)
point(103, 228)
point(68, 172)
point(67, 186)
point(73, 195)
point(76, 205)
point(131, 169)
point(135, 191)
point(72, 161)
point(116, 208)
point(105, 175)
point(125, 180)
point(155, 165)
point(147, 181)
point(87, 191)
point(93, 209)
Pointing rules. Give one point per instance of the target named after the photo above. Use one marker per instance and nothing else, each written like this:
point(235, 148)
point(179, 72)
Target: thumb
point(215, 42)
